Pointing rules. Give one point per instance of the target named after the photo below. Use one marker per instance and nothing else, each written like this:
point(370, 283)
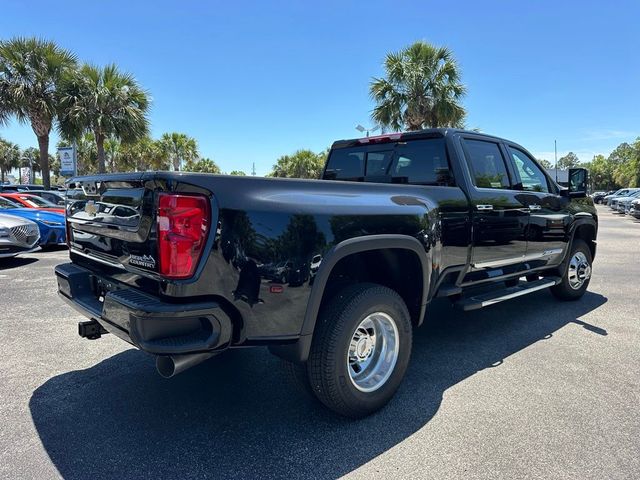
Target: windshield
point(37, 202)
point(5, 203)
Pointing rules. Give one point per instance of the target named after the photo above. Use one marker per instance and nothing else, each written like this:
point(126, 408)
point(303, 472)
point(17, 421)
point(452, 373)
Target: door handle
point(484, 208)
point(534, 208)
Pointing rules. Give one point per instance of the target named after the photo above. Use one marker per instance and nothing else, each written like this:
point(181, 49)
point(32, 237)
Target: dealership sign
point(67, 156)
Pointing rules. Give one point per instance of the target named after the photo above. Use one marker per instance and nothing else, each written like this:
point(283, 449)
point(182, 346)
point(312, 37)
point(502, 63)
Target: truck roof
point(399, 136)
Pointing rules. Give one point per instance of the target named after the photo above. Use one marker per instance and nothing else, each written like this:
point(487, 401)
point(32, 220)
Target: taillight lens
point(183, 224)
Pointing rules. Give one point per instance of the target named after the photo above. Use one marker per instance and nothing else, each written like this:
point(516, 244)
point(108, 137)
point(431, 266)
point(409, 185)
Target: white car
point(614, 196)
point(17, 235)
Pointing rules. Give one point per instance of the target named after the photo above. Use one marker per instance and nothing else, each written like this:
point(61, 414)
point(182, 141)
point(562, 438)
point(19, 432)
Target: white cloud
point(608, 134)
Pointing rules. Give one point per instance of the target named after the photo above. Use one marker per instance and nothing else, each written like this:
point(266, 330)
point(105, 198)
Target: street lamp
point(361, 129)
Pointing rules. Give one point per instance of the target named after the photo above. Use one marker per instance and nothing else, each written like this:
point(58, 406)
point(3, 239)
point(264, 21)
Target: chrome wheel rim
point(579, 270)
point(373, 352)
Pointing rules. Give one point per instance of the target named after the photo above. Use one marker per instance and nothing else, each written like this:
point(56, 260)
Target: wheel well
point(395, 268)
point(587, 233)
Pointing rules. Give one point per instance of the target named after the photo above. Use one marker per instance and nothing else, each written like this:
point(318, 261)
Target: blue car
point(51, 224)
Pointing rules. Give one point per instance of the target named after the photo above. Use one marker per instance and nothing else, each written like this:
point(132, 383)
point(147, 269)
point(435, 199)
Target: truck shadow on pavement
point(237, 416)
point(15, 262)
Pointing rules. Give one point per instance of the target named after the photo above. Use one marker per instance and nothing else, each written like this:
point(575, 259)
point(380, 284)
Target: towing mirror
point(577, 182)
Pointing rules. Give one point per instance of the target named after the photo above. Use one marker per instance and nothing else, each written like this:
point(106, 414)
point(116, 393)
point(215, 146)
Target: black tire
point(327, 365)
point(564, 290)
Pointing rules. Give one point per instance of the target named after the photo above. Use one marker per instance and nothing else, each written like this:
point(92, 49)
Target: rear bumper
point(152, 325)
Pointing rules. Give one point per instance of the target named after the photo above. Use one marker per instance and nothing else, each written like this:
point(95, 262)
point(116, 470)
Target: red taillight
point(183, 224)
point(388, 137)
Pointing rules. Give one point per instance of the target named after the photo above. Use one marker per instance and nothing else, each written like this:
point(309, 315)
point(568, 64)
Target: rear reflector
point(183, 224)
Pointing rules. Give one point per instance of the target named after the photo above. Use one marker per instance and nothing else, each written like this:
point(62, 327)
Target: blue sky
point(255, 80)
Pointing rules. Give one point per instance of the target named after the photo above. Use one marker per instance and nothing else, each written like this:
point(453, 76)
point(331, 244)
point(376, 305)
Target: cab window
point(531, 176)
point(487, 164)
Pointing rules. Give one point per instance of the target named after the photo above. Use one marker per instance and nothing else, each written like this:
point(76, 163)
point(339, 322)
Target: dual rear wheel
point(360, 350)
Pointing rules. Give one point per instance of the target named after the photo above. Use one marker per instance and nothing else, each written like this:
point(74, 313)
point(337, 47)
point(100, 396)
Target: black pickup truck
point(333, 274)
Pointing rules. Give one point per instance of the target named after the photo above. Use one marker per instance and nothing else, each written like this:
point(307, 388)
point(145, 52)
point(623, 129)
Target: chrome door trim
point(521, 258)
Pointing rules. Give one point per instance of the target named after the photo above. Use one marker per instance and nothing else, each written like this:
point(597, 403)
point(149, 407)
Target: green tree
point(570, 160)
point(112, 147)
point(105, 102)
point(31, 70)
point(238, 173)
point(145, 154)
point(5, 109)
point(626, 164)
point(601, 173)
point(301, 164)
point(181, 149)
point(203, 165)
point(421, 89)
point(29, 158)
point(9, 157)
point(545, 163)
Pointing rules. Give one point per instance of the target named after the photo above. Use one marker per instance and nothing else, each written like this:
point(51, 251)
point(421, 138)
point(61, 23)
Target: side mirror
point(578, 182)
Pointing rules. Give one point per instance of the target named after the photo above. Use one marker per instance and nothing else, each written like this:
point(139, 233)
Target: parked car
point(17, 235)
point(623, 202)
point(17, 187)
point(398, 220)
point(613, 201)
point(634, 208)
point(618, 193)
point(57, 197)
point(50, 224)
point(598, 196)
point(33, 201)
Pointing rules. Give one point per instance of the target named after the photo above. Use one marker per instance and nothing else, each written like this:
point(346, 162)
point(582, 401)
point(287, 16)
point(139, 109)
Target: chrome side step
point(490, 298)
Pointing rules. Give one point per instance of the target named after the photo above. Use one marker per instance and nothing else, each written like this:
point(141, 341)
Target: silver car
point(17, 235)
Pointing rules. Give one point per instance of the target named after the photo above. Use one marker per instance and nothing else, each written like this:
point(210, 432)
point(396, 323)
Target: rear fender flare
point(350, 247)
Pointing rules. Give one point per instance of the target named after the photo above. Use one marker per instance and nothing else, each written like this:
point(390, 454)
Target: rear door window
point(487, 165)
point(422, 162)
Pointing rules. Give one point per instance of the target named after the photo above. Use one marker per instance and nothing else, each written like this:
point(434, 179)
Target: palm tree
point(9, 157)
point(106, 102)
point(30, 73)
point(204, 165)
point(112, 152)
point(300, 164)
point(5, 110)
point(180, 147)
point(29, 159)
point(422, 89)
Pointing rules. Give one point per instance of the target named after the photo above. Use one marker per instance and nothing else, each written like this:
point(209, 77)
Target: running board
point(486, 299)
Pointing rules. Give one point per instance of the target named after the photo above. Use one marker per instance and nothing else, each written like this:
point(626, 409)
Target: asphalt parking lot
point(532, 388)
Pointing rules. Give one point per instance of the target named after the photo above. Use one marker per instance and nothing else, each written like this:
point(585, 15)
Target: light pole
point(361, 129)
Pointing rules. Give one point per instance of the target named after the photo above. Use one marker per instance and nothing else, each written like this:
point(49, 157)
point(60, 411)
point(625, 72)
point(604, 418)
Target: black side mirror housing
point(578, 181)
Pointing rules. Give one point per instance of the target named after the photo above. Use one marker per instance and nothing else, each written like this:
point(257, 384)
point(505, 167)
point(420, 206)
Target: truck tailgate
point(110, 219)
